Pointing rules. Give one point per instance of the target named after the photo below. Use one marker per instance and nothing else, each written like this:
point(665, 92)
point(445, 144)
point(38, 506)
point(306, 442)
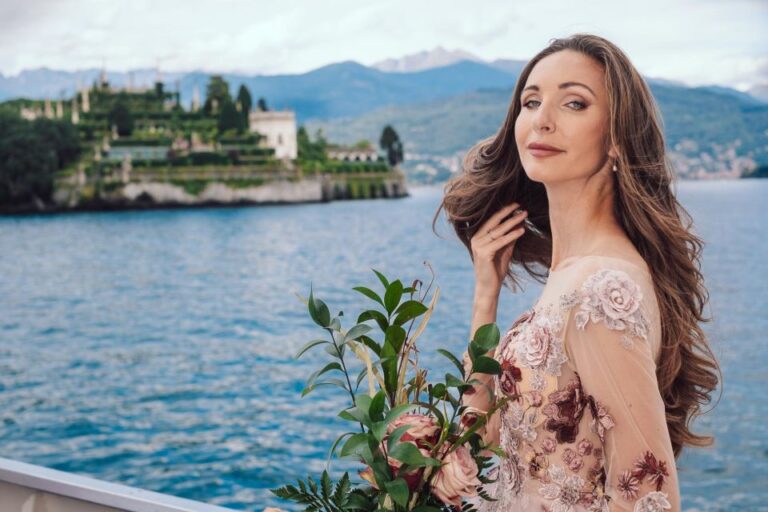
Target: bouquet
point(418, 445)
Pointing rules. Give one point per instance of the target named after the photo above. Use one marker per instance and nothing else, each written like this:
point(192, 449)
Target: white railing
point(29, 488)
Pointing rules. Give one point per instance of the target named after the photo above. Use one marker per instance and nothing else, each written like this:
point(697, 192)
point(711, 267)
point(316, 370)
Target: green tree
point(120, 116)
point(390, 142)
point(310, 151)
point(229, 118)
point(262, 105)
point(30, 155)
point(216, 95)
point(61, 136)
point(244, 98)
point(246, 103)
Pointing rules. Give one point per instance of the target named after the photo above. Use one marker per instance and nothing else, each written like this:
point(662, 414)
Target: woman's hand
point(492, 248)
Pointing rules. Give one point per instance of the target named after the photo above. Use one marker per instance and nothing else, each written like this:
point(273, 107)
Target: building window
point(279, 139)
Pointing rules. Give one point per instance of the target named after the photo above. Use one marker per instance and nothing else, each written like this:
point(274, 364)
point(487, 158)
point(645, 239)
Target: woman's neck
point(582, 220)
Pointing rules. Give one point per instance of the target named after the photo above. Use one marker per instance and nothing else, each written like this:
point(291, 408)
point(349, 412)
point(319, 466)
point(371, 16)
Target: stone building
point(279, 130)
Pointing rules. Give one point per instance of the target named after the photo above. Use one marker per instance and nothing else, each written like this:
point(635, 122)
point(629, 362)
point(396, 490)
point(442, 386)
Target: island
point(133, 148)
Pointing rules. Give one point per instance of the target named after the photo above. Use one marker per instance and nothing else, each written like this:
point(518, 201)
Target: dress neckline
point(567, 262)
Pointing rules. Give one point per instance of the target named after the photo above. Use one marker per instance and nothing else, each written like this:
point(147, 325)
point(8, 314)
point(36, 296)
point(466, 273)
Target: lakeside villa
point(141, 149)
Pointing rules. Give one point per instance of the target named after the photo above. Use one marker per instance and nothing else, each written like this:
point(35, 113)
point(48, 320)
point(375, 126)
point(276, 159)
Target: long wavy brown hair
point(645, 206)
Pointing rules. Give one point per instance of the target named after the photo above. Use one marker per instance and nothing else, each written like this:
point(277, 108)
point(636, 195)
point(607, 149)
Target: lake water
point(154, 348)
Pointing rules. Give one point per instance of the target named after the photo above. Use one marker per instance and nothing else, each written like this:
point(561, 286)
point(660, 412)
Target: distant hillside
point(717, 123)
point(442, 111)
point(337, 90)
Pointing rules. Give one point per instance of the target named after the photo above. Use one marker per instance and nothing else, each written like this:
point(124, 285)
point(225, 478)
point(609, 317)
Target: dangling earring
point(614, 167)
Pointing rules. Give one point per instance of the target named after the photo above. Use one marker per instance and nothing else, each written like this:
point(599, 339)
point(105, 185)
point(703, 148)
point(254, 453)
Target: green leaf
point(351, 415)
point(395, 335)
point(376, 410)
point(398, 489)
point(330, 366)
point(378, 316)
point(379, 430)
point(389, 367)
point(381, 278)
point(330, 382)
point(363, 402)
point(336, 444)
point(360, 377)
point(452, 382)
point(409, 310)
point(487, 336)
point(369, 293)
point(453, 359)
point(375, 347)
point(409, 454)
point(353, 444)
point(398, 411)
point(318, 310)
point(340, 494)
point(325, 482)
point(395, 436)
point(393, 295)
point(355, 332)
point(438, 390)
point(484, 364)
point(308, 346)
point(426, 508)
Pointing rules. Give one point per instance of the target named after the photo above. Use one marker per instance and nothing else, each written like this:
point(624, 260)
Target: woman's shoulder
point(614, 291)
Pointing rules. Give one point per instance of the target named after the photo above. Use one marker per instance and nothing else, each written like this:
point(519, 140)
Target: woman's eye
point(581, 105)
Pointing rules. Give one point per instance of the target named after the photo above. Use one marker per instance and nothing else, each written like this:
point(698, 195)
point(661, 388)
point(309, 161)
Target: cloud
point(701, 41)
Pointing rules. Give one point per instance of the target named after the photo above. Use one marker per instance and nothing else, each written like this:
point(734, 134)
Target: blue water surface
point(155, 348)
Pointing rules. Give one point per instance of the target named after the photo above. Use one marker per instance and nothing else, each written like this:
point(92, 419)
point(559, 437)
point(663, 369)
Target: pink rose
point(536, 398)
point(619, 296)
point(537, 345)
point(549, 445)
point(576, 462)
point(456, 478)
point(568, 455)
point(421, 428)
point(584, 447)
point(510, 376)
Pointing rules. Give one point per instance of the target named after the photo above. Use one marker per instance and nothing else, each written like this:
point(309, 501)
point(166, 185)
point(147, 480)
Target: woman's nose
point(542, 120)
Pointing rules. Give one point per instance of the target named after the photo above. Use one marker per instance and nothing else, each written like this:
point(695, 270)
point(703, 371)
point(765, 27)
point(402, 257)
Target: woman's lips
point(543, 152)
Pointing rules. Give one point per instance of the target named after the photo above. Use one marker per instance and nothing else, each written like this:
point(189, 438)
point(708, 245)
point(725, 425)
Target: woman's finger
point(504, 240)
point(503, 228)
point(494, 219)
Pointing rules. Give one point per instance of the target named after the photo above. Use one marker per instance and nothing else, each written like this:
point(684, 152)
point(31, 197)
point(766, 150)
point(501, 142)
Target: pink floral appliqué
point(611, 296)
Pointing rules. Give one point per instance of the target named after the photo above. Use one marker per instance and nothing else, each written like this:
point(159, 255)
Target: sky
point(697, 42)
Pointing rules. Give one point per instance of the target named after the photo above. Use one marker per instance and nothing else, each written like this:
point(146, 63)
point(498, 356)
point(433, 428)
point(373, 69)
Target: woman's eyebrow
point(563, 86)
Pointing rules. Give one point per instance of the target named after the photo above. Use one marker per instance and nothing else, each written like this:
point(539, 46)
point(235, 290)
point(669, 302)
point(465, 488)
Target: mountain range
point(441, 102)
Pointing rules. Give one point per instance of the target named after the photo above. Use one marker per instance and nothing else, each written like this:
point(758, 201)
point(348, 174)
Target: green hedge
point(124, 141)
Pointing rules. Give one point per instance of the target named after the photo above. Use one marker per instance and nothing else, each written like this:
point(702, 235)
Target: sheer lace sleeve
point(611, 341)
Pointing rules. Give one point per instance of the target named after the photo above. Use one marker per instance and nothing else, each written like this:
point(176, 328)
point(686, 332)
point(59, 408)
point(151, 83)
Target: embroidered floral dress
point(587, 429)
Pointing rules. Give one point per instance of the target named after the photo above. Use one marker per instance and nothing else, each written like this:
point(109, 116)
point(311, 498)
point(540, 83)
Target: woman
point(606, 371)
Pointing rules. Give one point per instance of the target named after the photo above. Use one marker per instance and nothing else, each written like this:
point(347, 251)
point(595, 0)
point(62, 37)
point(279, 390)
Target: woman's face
point(564, 105)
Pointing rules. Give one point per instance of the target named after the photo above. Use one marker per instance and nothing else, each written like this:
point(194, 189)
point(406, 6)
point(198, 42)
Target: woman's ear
point(613, 152)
